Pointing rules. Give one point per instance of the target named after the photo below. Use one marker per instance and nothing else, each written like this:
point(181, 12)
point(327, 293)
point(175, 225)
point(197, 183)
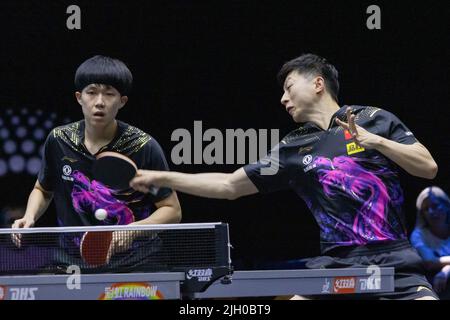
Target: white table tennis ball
point(101, 214)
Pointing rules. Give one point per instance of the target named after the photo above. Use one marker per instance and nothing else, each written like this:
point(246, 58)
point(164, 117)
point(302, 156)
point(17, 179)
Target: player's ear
point(319, 84)
point(123, 100)
point(78, 96)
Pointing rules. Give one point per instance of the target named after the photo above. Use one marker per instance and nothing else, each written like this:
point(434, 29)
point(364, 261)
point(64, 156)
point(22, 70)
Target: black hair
point(104, 70)
point(311, 64)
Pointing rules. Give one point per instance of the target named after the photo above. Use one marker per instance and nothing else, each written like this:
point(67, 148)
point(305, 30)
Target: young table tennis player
point(73, 151)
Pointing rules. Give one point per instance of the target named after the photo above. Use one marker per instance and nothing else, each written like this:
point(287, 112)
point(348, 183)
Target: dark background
point(216, 61)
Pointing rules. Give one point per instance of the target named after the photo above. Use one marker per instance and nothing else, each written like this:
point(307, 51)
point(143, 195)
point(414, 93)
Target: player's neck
point(99, 136)
point(322, 112)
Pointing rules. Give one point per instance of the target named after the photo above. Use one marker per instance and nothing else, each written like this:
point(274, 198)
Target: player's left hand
point(360, 135)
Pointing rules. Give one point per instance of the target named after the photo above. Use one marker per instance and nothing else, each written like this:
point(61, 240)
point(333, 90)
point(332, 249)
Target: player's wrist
point(162, 178)
point(29, 218)
point(131, 235)
point(379, 143)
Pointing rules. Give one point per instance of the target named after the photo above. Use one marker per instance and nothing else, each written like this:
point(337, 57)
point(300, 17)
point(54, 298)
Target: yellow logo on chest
point(353, 148)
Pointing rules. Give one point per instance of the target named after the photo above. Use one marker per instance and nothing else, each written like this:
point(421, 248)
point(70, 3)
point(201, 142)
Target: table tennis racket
point(94, 247)
point(114, 170)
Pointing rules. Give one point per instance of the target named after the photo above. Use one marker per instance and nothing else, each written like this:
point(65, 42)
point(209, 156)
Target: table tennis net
point(138, 249)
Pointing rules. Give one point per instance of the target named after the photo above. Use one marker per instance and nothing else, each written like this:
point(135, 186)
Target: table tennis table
point(202, 269)
point(168, 285)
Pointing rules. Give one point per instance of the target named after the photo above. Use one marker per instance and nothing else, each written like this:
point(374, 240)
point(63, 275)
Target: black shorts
point(409, 278)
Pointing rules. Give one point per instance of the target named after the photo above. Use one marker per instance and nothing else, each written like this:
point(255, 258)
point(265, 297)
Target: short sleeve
point(270, 173)
point(155, 160)
point(393, 128)
point(46, 175)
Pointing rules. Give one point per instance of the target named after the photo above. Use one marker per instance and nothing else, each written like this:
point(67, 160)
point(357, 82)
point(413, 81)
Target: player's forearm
point(208, 185)
point(415, 159)
point(162, 215)
point(38, 202)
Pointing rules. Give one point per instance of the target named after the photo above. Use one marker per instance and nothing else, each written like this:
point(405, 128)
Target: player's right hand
point(146, 181)
point(20, 223)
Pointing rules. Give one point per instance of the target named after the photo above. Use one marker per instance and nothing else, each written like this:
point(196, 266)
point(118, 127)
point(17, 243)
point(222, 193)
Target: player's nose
point(99, 101)
point(284, 99)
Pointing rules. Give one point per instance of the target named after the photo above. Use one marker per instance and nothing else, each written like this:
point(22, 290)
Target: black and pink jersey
point(67, 171)
point(353, 193)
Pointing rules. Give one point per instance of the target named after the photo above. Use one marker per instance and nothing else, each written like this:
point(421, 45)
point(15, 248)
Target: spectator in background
point(431, 237)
